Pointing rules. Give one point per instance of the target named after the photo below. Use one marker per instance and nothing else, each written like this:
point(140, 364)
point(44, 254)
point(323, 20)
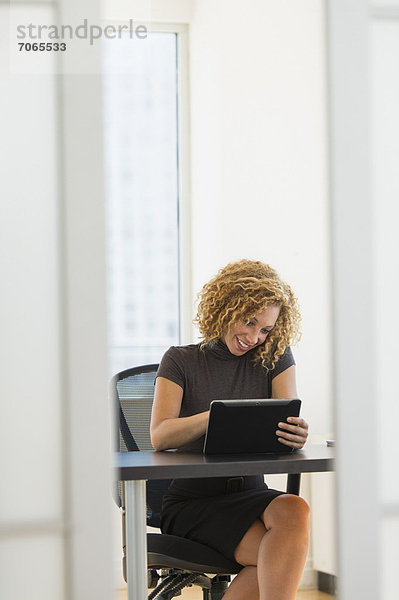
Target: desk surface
point(172, 464)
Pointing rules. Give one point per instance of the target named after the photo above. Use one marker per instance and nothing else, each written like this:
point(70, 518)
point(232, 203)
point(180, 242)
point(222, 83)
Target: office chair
point(173, 562)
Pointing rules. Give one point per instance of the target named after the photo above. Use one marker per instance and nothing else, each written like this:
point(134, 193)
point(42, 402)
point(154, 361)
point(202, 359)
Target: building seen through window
point(141, 182)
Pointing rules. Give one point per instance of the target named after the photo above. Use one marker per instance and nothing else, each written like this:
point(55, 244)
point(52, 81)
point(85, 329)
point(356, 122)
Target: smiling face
point(242, 337)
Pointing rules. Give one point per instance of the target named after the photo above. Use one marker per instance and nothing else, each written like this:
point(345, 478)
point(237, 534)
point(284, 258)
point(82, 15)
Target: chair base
point(171, 582)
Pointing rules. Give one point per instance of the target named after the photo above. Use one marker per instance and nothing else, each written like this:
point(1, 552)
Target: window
point(142, 197)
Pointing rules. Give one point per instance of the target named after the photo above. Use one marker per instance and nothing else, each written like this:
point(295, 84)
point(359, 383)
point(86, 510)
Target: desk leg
point(293, 483)
point(136, 539)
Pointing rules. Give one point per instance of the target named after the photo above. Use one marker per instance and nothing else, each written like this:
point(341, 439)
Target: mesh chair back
point(133, 392)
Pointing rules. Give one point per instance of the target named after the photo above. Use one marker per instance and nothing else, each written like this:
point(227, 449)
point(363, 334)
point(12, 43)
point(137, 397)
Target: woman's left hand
point(294, 433)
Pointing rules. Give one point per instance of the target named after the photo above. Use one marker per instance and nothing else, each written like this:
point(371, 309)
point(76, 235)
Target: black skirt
point(216, 512)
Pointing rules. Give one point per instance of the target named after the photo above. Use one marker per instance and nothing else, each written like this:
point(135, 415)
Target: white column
point(88, 413)
point(354, 281)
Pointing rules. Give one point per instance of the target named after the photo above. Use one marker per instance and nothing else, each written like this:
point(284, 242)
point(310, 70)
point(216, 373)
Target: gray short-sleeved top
point(214, 373)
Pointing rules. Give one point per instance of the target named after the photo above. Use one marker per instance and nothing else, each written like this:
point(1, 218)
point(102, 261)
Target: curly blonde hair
point(237, 293)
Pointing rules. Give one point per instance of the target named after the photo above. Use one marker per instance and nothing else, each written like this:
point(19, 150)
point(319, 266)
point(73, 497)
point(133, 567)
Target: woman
point(248, 318)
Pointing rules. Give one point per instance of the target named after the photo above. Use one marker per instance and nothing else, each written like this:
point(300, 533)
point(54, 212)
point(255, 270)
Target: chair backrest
point(133, 394)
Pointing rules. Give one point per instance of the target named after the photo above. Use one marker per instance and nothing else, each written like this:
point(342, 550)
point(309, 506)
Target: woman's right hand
point(167, 429)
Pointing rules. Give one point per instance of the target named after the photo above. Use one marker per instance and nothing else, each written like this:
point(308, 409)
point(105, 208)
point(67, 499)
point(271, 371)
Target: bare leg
point(283, 549)
point(278, 546)
point(244, 585)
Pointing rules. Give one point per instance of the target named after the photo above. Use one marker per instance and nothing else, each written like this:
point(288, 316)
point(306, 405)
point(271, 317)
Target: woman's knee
point(287, 510)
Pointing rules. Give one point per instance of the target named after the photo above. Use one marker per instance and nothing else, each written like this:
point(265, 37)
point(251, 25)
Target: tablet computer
point(247, 426)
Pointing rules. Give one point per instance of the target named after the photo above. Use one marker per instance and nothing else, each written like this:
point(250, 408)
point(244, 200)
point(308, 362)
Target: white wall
point(150, 11)
point(385, 213)
point(258, 144)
